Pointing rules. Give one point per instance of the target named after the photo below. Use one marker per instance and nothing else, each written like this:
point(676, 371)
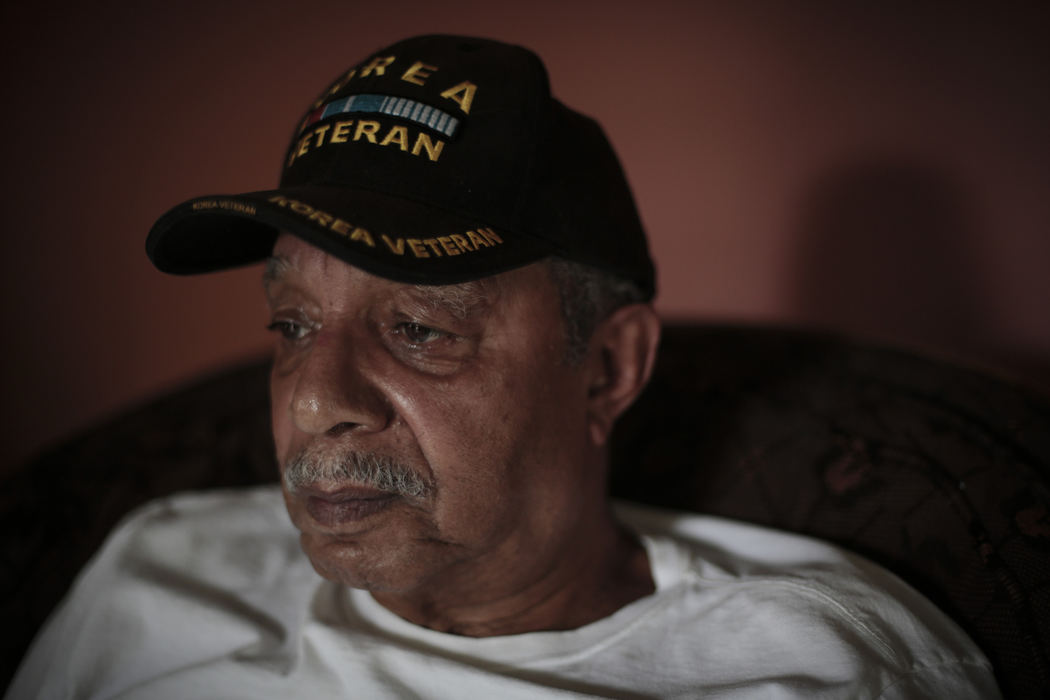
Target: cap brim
point(384, 235)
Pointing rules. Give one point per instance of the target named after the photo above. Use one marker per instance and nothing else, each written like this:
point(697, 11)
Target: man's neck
point(580, 587)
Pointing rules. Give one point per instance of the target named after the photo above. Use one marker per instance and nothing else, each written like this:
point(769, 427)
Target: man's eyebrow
point(275, 270)
point(460, 300)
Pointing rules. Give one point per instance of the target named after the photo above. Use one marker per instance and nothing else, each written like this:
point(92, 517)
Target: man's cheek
point(280, 421)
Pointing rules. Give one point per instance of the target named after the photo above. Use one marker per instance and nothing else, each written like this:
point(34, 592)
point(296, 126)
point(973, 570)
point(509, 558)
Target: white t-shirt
point(209, 596)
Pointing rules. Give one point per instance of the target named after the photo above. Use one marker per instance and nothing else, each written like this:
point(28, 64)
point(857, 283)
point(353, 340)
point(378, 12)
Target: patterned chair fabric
point(937, 472)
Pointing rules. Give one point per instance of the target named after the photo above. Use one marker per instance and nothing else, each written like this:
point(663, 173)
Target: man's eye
point(417, 333)
point(289, 330)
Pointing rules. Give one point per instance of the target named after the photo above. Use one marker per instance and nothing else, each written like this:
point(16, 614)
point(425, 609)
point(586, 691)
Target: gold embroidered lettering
point(367, 129)
point(377, 65)
point(417, 248)
point(477, 240)
point(462, 242)
point(320, 132)
point(462, 94)
point(490, 235)
point(448, 245)
point(433, 149)
point(396, 248)
point(417, 73)
point(360, 234)
point(233, 206)
point(320, 217)
point(339, 134)
point(397, 134)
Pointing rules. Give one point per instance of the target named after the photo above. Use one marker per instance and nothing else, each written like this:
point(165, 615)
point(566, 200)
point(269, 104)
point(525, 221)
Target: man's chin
point(359, 563)
point(377, 543)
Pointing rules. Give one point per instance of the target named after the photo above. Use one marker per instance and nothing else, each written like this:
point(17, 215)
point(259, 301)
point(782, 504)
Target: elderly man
point(459, 286)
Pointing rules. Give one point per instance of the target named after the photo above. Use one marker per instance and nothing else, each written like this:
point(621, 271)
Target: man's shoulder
point(182, 580)
point(255, 502)
point(223, 536)
point(711, 552)
point(260, 504)
point(736, 547)
point(760, 591)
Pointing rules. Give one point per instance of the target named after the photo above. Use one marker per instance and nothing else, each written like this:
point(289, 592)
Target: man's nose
point(335, 391)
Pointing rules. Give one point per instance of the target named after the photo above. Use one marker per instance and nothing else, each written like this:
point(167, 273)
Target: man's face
point(463, 388)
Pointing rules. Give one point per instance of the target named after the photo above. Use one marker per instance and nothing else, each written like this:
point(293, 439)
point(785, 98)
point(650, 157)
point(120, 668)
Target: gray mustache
point(377, 471)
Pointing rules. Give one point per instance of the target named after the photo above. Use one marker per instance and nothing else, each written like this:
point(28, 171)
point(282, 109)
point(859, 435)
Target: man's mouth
point(331, 508)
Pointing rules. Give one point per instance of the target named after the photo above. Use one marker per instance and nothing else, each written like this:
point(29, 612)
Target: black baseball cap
point(437, 160)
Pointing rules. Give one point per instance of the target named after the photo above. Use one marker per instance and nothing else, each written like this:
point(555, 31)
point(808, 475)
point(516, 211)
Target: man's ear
point(619, 361)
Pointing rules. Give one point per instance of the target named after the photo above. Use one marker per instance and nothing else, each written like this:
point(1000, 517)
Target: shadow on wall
point(889, 250)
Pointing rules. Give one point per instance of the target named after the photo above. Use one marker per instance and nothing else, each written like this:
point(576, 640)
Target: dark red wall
point(882, 171)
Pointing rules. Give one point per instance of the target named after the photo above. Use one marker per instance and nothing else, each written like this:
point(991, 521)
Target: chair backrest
point(938, 473)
